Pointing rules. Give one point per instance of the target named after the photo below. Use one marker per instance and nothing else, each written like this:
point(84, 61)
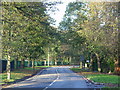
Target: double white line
point(53, 81)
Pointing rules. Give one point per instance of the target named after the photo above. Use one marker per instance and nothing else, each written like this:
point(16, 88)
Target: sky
point(58, 15)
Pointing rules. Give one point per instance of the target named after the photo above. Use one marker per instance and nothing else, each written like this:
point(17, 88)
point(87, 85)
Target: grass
point(19, 74)
point(43, 66)
point(79, 70)
point(109, 88)
point(103, 78)
point(98, 77)
point(76, 69)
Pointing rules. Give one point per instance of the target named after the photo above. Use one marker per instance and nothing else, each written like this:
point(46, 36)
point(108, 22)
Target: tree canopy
point(88, 32)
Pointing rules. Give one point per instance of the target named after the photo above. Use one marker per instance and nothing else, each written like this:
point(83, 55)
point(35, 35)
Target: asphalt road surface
point(54, 77)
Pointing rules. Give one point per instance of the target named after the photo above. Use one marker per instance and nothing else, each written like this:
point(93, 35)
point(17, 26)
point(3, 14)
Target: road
point(54, 77)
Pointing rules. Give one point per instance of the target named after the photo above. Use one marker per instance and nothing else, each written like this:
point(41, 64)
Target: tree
point(71, 38)
point(101, 31)
point(71, 14)
point(21, 38)
point(98, 25)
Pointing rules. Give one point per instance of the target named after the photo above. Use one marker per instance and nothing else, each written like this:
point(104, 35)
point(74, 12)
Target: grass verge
point(43, 66)
point(19, 74)
point(108, 80)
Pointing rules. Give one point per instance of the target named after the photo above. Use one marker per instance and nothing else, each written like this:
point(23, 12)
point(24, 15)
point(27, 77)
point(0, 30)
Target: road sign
point(87, 61)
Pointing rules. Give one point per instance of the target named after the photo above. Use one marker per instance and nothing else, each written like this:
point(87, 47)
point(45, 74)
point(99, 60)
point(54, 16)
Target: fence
point(18, 64)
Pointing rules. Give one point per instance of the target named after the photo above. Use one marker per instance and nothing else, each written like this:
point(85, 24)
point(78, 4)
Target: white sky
point(58, 15)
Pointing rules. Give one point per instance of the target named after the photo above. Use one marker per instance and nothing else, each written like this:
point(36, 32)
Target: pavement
point(55, 77)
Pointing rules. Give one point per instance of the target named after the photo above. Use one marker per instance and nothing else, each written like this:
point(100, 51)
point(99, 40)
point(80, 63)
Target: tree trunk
point(8, 68)
point(51, 63)
point(80, 64)
point(91, 62)
point(33, 64)
point(62, 62)
point(8, 58)
point(98, 62)
point(28, 63)
point(48, 63)
point(15, 64)
point(67, 59)
point(1, 45)
point(70, 60)
point(22, 63)
point(44, 63)
point(55, 63)
point(83, 65)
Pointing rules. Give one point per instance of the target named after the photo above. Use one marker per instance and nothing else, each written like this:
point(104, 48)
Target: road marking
point(53, 81)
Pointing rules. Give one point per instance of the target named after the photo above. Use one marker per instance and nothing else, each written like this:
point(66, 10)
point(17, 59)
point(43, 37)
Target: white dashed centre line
point(53, 81)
